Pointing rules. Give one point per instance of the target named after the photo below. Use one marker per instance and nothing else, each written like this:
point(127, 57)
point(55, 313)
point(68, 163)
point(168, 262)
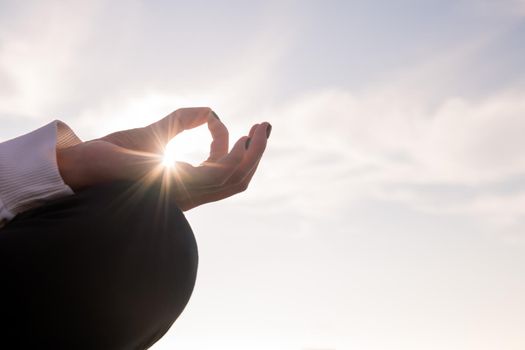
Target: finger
point(218, 193)
point(253, 154)
point(220, 138)
point(240, 179)
point(252, 130)
point(217, 173)
point(188, 118)
point(250, 135)
point(178, 121)
point(259, 139)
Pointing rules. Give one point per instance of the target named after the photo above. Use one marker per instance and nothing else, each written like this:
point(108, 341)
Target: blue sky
point(389, 211)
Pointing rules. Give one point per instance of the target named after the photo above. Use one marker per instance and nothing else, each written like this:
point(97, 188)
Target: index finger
point(180, 120)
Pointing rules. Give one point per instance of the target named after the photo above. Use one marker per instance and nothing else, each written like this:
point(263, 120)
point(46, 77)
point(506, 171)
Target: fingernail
point(247, 144)
point(268, 130)
point(215, 115)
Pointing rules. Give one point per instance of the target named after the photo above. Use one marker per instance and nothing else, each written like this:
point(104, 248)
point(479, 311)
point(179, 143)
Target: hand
point(136, 155)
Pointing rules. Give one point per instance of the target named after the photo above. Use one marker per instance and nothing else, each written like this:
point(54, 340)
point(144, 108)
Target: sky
point(388, 212)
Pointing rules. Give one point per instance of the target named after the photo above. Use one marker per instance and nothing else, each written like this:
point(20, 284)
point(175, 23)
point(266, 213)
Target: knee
point(121, 255)
point(148, 214)
point(150, 246)
point(146, 240)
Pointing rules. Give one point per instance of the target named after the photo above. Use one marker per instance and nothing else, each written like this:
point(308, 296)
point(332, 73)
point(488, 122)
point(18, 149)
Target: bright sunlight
point(191, 146)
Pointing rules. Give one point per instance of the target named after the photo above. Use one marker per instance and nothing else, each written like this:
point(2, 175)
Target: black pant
point(111, 267)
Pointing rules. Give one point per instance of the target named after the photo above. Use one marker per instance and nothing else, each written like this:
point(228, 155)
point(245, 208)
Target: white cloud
point(75, 61)
point(38, 51)
point(328, 145)
point(505, 8)
point(391, 145)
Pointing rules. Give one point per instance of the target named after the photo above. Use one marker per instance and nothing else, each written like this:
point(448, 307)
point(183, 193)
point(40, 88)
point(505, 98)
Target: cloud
point(39, 51)
point(520, 7)
point(452, 158)
point(75, 62)
point(423, 137)
point(413, 138)
point(506, 8)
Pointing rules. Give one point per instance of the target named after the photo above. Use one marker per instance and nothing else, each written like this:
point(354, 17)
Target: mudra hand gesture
point(136, 155)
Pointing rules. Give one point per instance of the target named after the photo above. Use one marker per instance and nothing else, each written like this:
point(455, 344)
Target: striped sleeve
point(29, 173)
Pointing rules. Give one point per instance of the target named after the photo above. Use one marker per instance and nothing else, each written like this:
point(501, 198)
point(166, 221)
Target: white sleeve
point(29, 173)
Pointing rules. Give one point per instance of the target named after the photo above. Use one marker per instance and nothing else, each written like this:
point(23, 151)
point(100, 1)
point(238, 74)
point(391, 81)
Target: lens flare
point(169, 157)
point(191, 146)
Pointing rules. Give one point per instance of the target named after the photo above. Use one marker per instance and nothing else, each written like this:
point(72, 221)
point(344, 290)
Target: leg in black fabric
point(109, 268)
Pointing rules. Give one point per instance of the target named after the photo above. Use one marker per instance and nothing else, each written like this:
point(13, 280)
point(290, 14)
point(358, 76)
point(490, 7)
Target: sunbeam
point(189, 146)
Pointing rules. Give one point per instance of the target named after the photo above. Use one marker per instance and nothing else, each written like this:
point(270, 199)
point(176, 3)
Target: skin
point(136, 155)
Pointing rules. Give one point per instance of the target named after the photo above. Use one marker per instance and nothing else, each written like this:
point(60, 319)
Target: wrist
point(69, 167)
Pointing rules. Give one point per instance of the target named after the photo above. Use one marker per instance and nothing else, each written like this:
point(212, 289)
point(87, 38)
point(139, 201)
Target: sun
point(191, 146)
point(169, 157)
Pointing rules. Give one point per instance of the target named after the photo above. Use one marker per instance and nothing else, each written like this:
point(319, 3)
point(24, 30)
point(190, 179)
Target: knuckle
point(206, 110)
point(173, 120)
point(177, 113)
